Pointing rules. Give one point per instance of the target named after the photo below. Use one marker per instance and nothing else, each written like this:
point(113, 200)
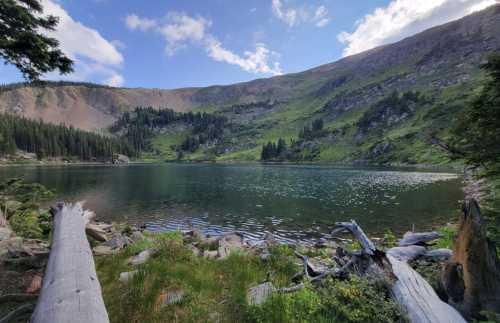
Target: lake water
point(293, 202)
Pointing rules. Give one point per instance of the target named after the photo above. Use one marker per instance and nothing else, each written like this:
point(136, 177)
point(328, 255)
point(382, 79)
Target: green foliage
point(20, 201)
point(23, 40)
point(477, 129)
point(48, 140)
point(141, 126)
point(447, 237)
point(389, 240)
point(353, 300)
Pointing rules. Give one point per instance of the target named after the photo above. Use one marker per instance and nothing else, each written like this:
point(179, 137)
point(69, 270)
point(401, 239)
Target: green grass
point(215, 290)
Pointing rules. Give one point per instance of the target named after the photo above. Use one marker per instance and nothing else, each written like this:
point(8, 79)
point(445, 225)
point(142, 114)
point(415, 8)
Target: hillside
point(441, 63)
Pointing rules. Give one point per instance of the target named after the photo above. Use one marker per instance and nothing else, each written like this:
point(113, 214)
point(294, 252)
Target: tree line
point(49, 140)
point(139, 126)
point(280, 151)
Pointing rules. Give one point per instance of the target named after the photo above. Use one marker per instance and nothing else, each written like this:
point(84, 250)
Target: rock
point(121, 159)
point(95, 231)
point(142, 257)
point(12, 246)
point(104, 251)
point(5, 233)
point(196, 234)
point(35, 285)
point(210, 254)
point(117, 242)
point(126, 276)
point(259, 294)
point(195, 250)
point(171, 297)
point(438, 254)
point(230, 243)
point(137, 236)
point(3, 220)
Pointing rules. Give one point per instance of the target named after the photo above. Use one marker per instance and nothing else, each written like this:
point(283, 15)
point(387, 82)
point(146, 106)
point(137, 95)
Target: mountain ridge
point(442, 62)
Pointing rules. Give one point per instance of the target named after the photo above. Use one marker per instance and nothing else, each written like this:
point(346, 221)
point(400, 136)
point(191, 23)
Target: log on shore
point(409, 289)
point(71, 291)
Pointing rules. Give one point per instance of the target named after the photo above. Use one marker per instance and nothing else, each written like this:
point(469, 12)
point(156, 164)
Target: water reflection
point(296, 202)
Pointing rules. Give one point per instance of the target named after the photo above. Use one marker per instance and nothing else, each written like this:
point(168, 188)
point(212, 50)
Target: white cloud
point(179, 30)
point(255, 62)
point(133, 22)
point(403, 18)
point(293, 16)
point(94, 56)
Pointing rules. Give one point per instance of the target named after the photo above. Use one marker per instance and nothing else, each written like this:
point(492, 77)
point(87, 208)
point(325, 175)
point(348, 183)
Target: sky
point(191, 43)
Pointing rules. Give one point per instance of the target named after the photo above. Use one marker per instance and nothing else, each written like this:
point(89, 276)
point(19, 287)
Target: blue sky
point(171, 44)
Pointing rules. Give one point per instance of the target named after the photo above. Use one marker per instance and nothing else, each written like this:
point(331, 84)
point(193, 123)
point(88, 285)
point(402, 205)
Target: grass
point(215, 290)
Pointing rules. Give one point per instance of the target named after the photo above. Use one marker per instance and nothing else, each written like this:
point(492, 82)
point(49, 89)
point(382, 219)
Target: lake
point(295, 202)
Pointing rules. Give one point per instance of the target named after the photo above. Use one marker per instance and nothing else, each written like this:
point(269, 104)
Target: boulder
point(210, 254)
point(230, 243)
point(95, 231)
point(12, 246)
point(121, 159)
point(137, 236)
point(141, 257)
point(5, 233)
point(117, 242)
point(127, 276)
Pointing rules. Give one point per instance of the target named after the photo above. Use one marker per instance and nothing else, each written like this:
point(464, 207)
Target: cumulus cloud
point(293, 16)
point(255, 62)
point(180, 30)
point(134, 22)
point(403, 18)
point(94, 56)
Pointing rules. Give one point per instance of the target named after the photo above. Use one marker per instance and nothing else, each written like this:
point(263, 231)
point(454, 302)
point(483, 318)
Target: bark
point(409, 289)
point(472, 277)
point(71, 291)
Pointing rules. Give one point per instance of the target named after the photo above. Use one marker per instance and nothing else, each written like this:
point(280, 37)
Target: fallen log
point(71, 291)
point(418, 238)
point(472, 277)
point(409, 289)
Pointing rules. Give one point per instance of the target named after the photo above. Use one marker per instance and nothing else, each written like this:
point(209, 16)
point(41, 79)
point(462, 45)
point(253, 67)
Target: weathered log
point(71, 291)
point(472, 277)
point(418, 238)
point(96, 232)
point(409, 289)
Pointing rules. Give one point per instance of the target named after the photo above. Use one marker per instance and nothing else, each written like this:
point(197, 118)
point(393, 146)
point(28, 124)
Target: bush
point(352, 300)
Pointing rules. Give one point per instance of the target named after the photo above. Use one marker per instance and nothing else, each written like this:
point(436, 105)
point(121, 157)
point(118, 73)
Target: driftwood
point(409, 289)
point(472, 277)
point(418, 238)
point(71, 291)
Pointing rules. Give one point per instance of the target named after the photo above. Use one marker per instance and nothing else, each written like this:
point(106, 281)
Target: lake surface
point(293, 202)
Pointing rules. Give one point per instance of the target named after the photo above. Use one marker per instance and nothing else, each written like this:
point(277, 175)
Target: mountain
point(442, 63)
